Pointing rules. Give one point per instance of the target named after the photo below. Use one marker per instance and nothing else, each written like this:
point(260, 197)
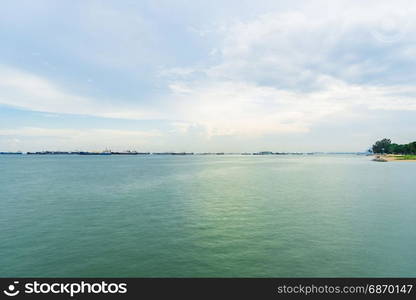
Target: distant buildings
point(263, 153)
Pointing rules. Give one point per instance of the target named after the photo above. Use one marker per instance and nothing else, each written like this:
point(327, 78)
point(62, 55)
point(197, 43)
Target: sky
point(201, 76)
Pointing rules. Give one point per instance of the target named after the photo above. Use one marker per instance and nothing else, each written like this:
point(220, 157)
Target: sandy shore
point(390, 157)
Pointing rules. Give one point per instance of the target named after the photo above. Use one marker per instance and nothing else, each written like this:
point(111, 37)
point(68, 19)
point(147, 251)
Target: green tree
point(385, 146)
point(412, 148)
point(382, 146)
point(394, 148)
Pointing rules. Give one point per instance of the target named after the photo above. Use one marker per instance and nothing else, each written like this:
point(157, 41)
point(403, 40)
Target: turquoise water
point(206, 216)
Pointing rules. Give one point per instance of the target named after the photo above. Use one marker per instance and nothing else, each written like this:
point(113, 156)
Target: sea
point(206, 216)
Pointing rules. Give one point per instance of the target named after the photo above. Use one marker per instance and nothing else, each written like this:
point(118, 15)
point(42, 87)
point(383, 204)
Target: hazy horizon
point(234, 76)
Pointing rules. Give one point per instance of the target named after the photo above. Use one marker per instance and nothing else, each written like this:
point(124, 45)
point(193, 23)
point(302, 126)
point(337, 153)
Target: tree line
point(387, 147)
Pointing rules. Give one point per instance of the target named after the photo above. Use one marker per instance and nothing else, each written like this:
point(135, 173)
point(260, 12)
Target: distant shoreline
point(394, 157)
point(109, 153)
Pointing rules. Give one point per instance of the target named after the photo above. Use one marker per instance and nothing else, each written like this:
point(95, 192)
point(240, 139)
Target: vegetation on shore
point(385, 146)
point(406, 157)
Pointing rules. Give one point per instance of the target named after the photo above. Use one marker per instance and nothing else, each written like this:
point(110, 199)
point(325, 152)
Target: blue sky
point(206, 75)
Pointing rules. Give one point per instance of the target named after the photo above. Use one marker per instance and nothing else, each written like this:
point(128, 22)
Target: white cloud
point(280, 72)
point(292, 49)
point(285, 72)
point(245, 109)
point(31, 92)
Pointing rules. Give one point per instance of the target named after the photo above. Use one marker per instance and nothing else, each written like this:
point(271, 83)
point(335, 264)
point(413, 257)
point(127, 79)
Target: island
point(384, 151)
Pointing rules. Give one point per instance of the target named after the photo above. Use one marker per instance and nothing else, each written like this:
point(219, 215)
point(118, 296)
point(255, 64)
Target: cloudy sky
point(206, 75)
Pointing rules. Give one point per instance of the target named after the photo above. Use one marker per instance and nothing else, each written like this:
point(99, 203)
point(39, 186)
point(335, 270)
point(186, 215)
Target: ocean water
point(206, 216)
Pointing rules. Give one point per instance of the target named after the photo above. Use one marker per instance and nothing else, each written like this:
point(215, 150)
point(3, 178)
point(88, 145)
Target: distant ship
point(10, 153)
point(106, 152)
point(128, 152)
